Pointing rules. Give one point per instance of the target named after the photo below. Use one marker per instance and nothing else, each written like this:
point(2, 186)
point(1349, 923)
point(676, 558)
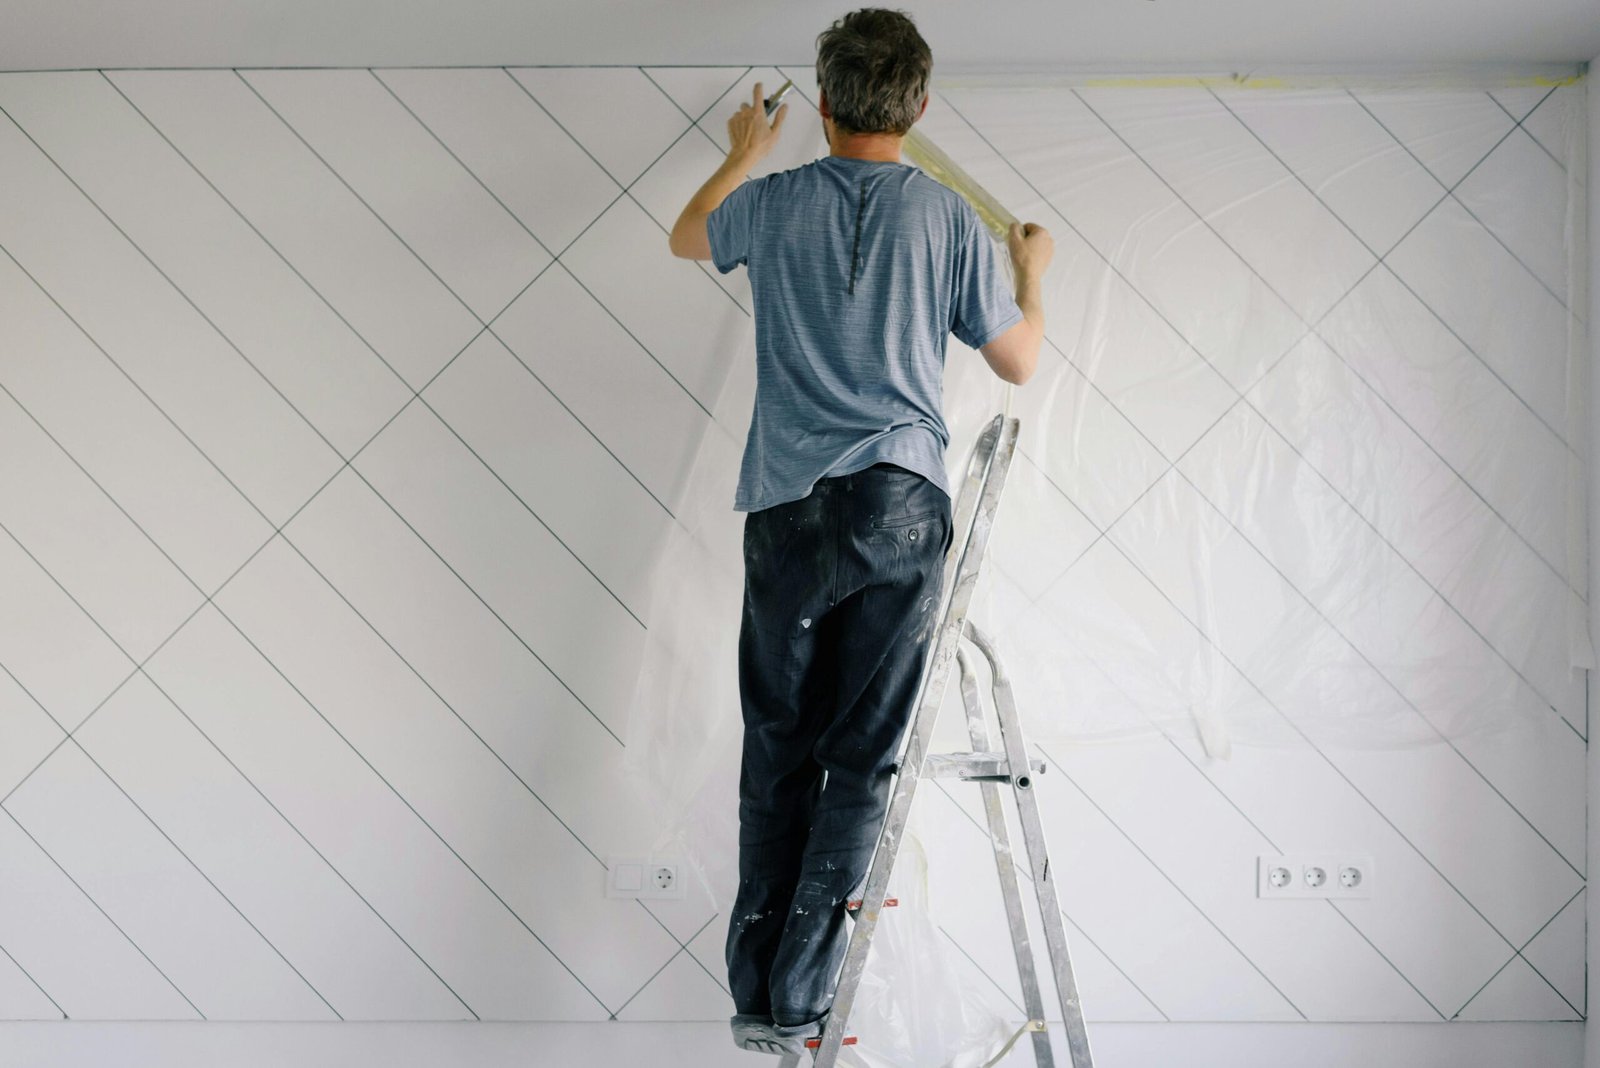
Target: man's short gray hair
point(874, 67)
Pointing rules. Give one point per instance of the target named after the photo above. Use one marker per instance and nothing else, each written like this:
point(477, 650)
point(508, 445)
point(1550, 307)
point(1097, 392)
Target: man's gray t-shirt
point(860, 270)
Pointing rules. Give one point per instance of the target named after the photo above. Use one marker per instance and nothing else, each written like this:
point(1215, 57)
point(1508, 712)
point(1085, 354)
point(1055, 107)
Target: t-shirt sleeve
point(731, 224)
point(984, 305)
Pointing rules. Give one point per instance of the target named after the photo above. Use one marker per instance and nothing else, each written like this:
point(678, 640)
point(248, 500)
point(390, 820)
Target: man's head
point(873, 68)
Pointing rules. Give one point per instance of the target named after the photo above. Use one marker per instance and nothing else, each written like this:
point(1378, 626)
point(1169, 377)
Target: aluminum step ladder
point(974, 515)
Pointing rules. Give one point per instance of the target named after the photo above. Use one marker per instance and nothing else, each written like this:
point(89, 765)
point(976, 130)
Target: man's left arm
point(750, 138)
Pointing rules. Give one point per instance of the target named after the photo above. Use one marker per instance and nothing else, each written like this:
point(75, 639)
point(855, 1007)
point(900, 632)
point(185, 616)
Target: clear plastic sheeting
point(1302, 462)
point(920, 1003)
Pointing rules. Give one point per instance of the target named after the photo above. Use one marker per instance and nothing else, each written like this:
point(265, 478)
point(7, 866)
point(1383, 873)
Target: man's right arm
point(1015, 354)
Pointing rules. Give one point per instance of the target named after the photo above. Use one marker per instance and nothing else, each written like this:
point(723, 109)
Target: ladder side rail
point(974, 517)
point(1005, 866)
point(1033, 836)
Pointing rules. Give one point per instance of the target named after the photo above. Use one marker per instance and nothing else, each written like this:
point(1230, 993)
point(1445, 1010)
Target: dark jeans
point(841, 601)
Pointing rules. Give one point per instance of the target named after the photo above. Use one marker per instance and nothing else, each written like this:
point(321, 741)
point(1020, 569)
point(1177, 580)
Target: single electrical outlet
point(651, 878)
point(1332, 876)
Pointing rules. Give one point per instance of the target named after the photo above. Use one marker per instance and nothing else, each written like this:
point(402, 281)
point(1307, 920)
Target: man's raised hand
point(1031, 248)
point(750, 136)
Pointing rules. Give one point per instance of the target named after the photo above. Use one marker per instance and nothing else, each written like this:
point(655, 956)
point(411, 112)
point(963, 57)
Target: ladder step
point(972, 767)
point(888, 903)
point(847, 1040)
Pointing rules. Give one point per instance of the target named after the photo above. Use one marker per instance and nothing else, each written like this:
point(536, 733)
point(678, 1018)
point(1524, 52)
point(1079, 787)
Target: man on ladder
point(860, 267)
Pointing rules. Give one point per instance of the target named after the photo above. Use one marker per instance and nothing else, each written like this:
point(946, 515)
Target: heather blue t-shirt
point(860, 270)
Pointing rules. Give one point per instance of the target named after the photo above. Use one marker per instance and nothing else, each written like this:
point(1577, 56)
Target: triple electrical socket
point(1337, 876)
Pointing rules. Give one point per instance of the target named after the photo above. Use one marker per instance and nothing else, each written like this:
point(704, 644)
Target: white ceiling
point(1019, 35)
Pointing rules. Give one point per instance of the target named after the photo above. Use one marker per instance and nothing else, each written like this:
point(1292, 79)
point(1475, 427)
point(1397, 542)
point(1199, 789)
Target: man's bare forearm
point(723, 181)
point(1030, 300)
point(688, 236)
point(1031, 247)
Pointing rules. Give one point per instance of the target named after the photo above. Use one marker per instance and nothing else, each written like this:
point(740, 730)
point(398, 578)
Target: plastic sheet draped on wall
point(1303, 461)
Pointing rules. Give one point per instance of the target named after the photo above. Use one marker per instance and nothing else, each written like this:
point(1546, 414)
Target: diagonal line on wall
point(351, 189)
point(723, 986)
point(1021, 861)
point(627, 191)
point(1279, 849)
point(983, 971)
point(1318, 750)
point(1095, 386)
point(31, 979)
point(1255, 827)
point(530, 510)
point(695, 120)
point(465, 169)
point(1172, 466)
point(441, 697)
point(199, 870)
point(1313, 327)
point(139, 669)
point(1518, 953)
point(1174, 883)
point(443, 700)
point(707, 109)
point(253, 228)
point(102, 912)
point(683, 947)
point(1535, 140)
point(1465, 483)
point(554, 255)
point(94, 481)
point(1450, 191)
point(1067, 499)
point(1264, 556)
point(133, 382)
point(416, 394)
point(488, 325)
point(176, 289)
point(140, 666)
point(1380, 673)
point(592, 296)
point(1385, 957)
point(392, 789)
point(41, 707)
point(111, 779)
point(481, 600)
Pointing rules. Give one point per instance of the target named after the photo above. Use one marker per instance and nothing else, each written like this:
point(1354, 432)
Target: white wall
point(349, 664)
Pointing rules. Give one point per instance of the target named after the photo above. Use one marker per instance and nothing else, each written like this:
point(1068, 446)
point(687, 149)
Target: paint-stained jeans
point(841, 601)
